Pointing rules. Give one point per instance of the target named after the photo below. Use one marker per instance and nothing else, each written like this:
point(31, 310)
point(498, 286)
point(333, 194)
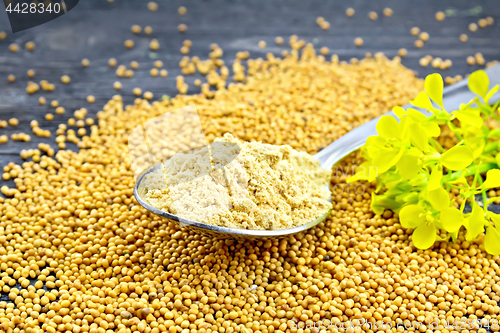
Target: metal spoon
point(453, 96)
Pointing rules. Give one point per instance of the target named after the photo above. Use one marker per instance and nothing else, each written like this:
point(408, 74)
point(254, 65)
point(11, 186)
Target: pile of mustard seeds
point(78, 254)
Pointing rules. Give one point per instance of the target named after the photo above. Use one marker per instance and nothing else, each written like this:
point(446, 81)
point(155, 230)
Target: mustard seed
point(440, 16)
point(13, 122)
point(358, 41)
point(415, 31)
point(65, 79)
point(372, 16)
point(13, 47)
point(473, 27)
point(182, 27)
point(117, 85)
point(324, 50)
point(153, 72)
point(49, 117)
point(163, 73)
point(54, 103)
point(388, 12)
point(137, 91)
point(419, 43)
point(90, 99)
point(30, 73)
point(278, 40)
point(262, 44)
point(148, 95)
point(3, 35)
point(129, 43)
point(154, 45)
point(30, 46)
point(11, 78)
point(402, 52)
point(85, 62)
point(463, 38)
point(42, 100)
point(112, 62)
point(60, 110)
point(471, 60)
point(350, 12)
point(148, 30)
point(182, 10)
point(483, 23)
point(424, 36)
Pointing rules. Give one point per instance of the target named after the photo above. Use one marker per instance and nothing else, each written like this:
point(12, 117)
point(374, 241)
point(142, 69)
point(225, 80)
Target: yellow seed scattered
point(262, 44)
point(11, 78)
point(154, 45)
point(65, 79)
point(134, 64)
point(148, 95)
point(440, 16)
point(85, 62)
point(373, 16)
point(154, 72)
point(148, 30)
point(129, 43)
point(483, 23)
point(182, 27)
point(324, 50)
point(129, 73)
point(184, 50)
point(425, 61)
point(388, 12)
point(60, 110)
point(415, 31)
point(54, 104)
point(90, 99)
point(479, 59)
point(320, 20)
point(402, 52)
point(3, 35)
point(463, 38)
point(197, 82)
point(112, 62)
point(424, 36)
point(473, 27)
point(49, 117)
point(152, 6)
point(163, 73)
point(30, 46)
point(117, 85)
point(350, 12)
point(13, 122)
point(13, 47)
point(419, 43)
point(358, 41)
point(182, 10)
point(137, 91)
point(325, 25)
point(490, 20)
point(4, 138)
point(136, 29)
point(30, 73)
point(42, 100)
point(278, 40)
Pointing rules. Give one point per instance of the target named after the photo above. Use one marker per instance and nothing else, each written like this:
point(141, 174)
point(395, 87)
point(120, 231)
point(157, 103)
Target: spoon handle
point(453, 96)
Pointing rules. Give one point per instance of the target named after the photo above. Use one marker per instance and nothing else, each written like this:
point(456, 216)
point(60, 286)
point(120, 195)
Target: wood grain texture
point(97, 29)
